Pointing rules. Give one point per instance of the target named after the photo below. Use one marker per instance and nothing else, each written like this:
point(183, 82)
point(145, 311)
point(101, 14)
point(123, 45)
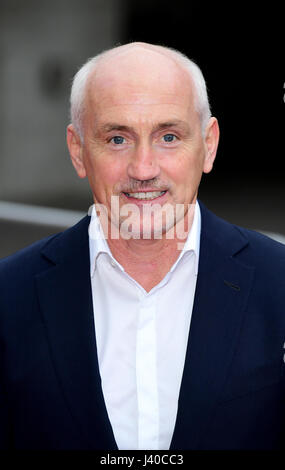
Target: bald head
point(141, 65)
point(131, 57)
point(138, 72)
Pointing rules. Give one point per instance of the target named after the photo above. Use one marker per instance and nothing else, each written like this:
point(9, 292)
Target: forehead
point(144, 82)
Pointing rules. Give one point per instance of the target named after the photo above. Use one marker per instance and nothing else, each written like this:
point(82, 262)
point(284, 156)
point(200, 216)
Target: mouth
point(145, 195)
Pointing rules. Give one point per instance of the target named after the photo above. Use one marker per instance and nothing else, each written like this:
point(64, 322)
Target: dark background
point(240, 49)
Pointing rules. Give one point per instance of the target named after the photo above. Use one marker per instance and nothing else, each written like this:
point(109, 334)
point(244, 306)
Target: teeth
point(147, 195)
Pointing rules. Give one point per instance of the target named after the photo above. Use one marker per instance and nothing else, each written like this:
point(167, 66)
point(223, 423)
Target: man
point(153, 324)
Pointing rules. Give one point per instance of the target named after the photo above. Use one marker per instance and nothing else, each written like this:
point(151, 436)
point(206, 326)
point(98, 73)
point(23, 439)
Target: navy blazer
point(233, 384)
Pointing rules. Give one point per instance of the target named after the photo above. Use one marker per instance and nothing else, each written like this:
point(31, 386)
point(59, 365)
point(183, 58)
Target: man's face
point(142, 137)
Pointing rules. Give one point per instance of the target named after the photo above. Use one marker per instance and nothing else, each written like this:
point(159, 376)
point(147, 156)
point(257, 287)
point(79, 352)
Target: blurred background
point(240, 50)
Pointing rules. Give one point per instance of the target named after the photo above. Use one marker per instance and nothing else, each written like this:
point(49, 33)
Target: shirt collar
point(193, 240)
point(98, 243)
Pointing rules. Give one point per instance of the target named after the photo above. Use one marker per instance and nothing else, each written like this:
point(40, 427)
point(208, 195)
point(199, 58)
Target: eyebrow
point(174, 123)
point(114, 127)
point(160, 126)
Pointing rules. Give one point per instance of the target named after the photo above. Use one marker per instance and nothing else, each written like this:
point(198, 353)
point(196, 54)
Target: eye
point(169, 138)
point(118, 140)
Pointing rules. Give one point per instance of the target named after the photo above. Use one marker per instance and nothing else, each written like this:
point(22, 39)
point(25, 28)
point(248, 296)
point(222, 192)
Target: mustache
point(141, 185)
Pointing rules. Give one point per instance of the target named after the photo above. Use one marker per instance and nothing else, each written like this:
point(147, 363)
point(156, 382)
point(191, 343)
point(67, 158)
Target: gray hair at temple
point(77, 97)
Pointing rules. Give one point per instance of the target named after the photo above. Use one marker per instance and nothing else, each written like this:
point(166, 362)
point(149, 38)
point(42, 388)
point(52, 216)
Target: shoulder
point(20, 272)
point(18, 269)
point(248, 246)
point(17, 285)
point(38, 256)
point(261, 243)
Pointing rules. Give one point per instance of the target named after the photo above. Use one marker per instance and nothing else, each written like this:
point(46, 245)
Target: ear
point(75, 148)
point(211, 139)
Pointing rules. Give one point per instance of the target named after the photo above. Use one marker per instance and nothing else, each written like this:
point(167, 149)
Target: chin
point(144, 229)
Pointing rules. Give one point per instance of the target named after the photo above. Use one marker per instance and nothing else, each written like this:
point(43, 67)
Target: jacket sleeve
point(5, 416)
point(5, 424)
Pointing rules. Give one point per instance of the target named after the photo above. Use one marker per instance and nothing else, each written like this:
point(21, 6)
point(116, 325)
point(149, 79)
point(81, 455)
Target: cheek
point(185, 169)
point(104, 173)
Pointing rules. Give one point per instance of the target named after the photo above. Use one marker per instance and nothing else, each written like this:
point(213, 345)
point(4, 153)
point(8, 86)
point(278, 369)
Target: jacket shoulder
point(17, 273)
point(247, 246)
point(223, 232)
point(262, 242)
point(26, 257)
point(268, 258)
point(38, 256)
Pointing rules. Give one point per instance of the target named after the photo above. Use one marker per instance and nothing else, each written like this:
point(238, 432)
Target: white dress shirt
point(141, 340)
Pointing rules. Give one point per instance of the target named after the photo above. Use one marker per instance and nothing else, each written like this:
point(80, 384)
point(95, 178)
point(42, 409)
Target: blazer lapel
point(65, 298)
point(222, 289)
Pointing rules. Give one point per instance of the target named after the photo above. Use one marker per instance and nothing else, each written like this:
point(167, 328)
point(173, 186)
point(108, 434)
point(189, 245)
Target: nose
point(143, 164)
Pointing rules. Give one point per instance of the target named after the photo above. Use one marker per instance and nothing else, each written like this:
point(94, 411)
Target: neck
point(146, 261)
point(144, 251)
point(149, 260)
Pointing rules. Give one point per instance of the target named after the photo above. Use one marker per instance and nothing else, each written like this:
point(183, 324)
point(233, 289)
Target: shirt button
point(113, 263)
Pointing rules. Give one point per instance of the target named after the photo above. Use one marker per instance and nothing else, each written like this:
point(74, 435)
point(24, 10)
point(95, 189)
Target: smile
point(146, 195)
